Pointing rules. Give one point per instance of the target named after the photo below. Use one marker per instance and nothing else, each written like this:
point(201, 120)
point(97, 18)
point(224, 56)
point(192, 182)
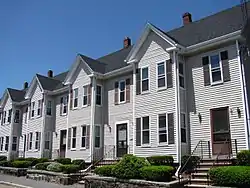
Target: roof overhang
point(32, 87)
point(25, 102)
point(58, 91)
point(6, 94)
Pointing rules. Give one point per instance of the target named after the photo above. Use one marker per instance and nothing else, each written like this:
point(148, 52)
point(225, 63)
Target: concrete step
point(202, 170)
point(201, 175)
point(196, 186)
point(200, 181)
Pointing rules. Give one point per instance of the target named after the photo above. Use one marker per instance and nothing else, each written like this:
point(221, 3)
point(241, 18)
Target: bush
point(105, 170)
point(63, 160)
point(21, 159)
point(42, 160)
point(191, 164)
point(243, 158)
point(21, 164)
point(161, 160)
point(5, 163)
point(3, 158)
point(231, 176)
point(157, 173)
point(129, 167)
point(42, 166)
point(70, 168)
point(79, 162)
point(55, 167)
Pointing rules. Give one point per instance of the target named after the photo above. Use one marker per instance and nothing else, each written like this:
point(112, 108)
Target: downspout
point(244, 95)
point(42, 144)
point(134, 93)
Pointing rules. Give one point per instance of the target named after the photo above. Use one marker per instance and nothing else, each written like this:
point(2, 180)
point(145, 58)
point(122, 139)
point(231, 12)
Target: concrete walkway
point(32, 183)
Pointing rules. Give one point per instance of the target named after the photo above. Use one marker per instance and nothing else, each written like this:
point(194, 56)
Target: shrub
point(232, 176)
point(55, 167)
point(105, 170)
point(3, 158)
point(129, 167)
point(42, 160)
point(20, 159)
point(63, 160)
point(42, 166)
point(79, 162)
point(161, 160)
point(191, 164)
point(157, 173)
point(21, 164)
point(70, 168)
point(5, 163)
point(243, 158)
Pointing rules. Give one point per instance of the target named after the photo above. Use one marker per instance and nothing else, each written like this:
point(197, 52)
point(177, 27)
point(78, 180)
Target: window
point(1, 118)
point(161, 73)
point(75, 95)
point(181, 75)
point(4, 117)
point(145, 130)
point(144, 79)
point(32, 109)
point(9, 116)
point(215, 69)
point(49, 108)
point(17, 116)
point(64, 105)
point(30, 141)
point(99, 95)
point(73, 146)
point(26, 115)
point(39, 108)
point(162, 123)
point(14, 143)
point(183, 128)
point(1, 143)
point(6, 143)
point(97, 136)
point(84, 134)
point(85, 96)
point(122, 95)
point(47, 140)
point(37, 142)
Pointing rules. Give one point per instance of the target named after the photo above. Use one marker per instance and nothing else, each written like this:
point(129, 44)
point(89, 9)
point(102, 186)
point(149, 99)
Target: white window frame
point(1, 143)
point(37, 141)
point(17, 120)
point(75, 97)
point(9, 115)
point(182, 75)
point(158, 129)
point(14, 143)
point(119, 92)
point(98, 136)
point(32, 110)
point(64, 105)
point(162, 75)
point(145, 79)
point(30, 141)
point(7, 144)
point(49, 108)
point(39, 108)
point(210, 69)
point(83, 95)
point(185, 125)
point(48, 140)
point(83, 136)
point(149, 120)
point(98, 95)
point(72, 138)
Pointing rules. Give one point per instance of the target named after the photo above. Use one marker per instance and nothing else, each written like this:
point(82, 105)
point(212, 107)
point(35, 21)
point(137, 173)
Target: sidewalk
point(32, 183)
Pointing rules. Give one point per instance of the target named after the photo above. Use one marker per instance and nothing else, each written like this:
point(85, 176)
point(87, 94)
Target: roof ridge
point(48, 77)
point(92, 58)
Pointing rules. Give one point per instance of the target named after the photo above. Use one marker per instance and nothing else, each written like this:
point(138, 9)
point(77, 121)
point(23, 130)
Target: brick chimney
point(187, 18)
point(50, 74)
point(126, 42)
point(25, 85)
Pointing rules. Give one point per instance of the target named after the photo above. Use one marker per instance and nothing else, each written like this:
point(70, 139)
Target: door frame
point(212, 126)
point(115, 134)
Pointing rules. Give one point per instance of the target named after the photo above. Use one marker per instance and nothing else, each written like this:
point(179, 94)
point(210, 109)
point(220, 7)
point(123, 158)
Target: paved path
point(33, 183)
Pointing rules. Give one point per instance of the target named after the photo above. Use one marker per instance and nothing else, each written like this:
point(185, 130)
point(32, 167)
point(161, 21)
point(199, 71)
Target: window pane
point(74, 132)
point(122, 96)
point(97, 130)
point(83, 142)
point(162, 121)
point(75, 93)
point(145, 137)
point(144, 73)
point(122, 86)
point(216, 75)
point(215, 61)
point(83, 131)
point(181, 68)
point(220, 120)
point(161, 68)
point(97, 142)
point(161, 82)
point(183, 121)
point(163, 138)
point(183, 135)
point(145, 85)
point(73, 142)
point(181, 81)
point(84, 100)
point(98, 100)
point(145, 123)
point(98, 90)
point(85, 90)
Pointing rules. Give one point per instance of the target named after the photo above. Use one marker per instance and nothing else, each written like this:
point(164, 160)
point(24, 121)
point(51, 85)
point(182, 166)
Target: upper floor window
point(32, 109)
point(64, 105)
point(99, 95)
point(4, 117)
point(85, 96)
point(17, 116)
point(181, 75)
point(144, 79)
point(75, 96)
point(9, 116)
point(161, 74)
point(215, 68)
point(39, 108)
point(122, 96)
point(49, 108)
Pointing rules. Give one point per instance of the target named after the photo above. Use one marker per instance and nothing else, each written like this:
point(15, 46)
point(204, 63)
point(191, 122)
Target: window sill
point(35, 150)
point(145, 93)
point(75, 108)
point(162, 89)
point(216, 83)
point(83, 149)
point(145, 146)
point(85, 106)
point(38, 117)
point(73, 149)
point(98, 105)
point(163, 144)
point(63, 114)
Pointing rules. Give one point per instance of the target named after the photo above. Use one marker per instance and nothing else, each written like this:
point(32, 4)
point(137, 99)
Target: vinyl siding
point(155, 102)
point(203, 98)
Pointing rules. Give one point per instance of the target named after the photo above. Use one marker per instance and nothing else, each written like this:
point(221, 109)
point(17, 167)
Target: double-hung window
point(30, 141)
point(32, 109)
point(161, 75)
point(17, 116)
point(145, 130)
point(181, 75)
point(1, 143)
point(144, 79)
point(37, 141)
point(215, 69)
point(122, 90)
point(39, 108)
point(97, 136)
point(73, 142)
point(162, 124)
point(64, 105)
point(4, 117)
point(75, 96)
point(183, 128)
point(85, 96)
point(49, 108)
point(9, 115)
point(84, 135)
point(26, 115)
point(99, 95)
point(6, 143)
point(14, 143)
point(47, 140)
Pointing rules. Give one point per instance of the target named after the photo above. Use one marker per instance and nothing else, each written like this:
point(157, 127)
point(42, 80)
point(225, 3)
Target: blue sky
point(37, 35)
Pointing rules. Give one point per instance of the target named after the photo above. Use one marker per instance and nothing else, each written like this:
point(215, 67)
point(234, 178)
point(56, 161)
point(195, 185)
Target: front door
point(63, 134)
point(121, 140)
point(221, 139)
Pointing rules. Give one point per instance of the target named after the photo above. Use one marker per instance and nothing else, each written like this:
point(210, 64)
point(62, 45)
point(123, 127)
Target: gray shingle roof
point(16, 95)
point(95, 65)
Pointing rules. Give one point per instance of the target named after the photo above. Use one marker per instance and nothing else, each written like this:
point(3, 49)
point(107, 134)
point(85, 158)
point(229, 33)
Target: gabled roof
point(16, 95)
point(50, 84)
point(95, 65)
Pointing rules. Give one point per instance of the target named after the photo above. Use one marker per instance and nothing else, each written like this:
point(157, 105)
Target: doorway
point(63, 134)
point(121, 140)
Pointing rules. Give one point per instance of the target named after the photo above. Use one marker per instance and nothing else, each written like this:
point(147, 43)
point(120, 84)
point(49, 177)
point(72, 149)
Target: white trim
point(143, 67)
point(210, 69)
point(92, 115)
point(158, 135)
point(149, 129)
point(85, 105)
point(134, 120)
point(244, 99)
point(119, 91)
point(165, 75)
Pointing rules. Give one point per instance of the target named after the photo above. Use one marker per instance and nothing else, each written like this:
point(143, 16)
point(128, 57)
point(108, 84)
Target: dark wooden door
point(121, 140)
point(221, 138)
point(63, 134)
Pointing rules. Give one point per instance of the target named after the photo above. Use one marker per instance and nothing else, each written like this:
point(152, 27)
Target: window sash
point(33, 109)
point(99, 95)
point(97, 136)
point(145, 131)
point(1, 143)
point(183, 128)
point(17, 116)
point(122, 91)
point(9, 115)
point(181, 75)
point(215, 69)
point(144, 80)
point(85, 96)
point(26, 115)
point(84, 136)
point(75, 97)
point(6, 143)
point(37, 140)
point(4, 117)
point(14, 143)
point(73, 138)
point(162, 129)
point(64, 105)
point(49, 108)
point(30, 141)
point(39, 108)
point(161, 76)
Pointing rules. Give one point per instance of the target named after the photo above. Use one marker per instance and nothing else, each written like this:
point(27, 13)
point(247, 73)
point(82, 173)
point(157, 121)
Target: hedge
point(55, 167)
point(191, 164)
point(157, 173)
point(63, 160)
point(79, 162)
point(5, 163)
point(42, 166)
point(105, 170)
point(33, 160)
point(70, 168)
point(3, 158)
point(243, 158)
point(161, 160)
point(21, 164)
point(231, 176)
